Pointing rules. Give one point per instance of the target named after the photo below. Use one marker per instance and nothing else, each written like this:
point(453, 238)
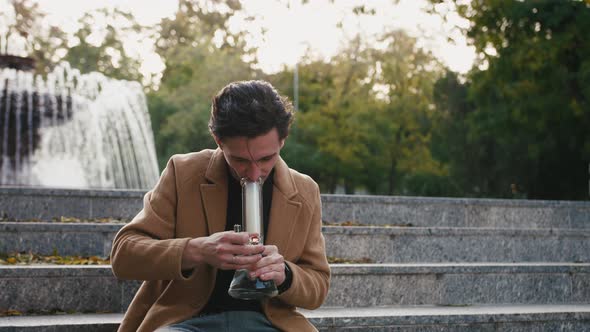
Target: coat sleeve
point(311, 272)
point(145, 249)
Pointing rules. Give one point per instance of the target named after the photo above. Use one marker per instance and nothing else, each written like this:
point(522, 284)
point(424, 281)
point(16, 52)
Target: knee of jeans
point(166, 329)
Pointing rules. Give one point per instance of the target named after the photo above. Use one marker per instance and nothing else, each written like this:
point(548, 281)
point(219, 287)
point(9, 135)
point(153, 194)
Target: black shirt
point(220, 300)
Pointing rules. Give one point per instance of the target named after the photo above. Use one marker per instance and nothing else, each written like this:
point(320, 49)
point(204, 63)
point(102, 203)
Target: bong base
point(244, 288)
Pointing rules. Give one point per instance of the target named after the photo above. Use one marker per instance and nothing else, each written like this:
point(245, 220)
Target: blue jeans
point(228, 321)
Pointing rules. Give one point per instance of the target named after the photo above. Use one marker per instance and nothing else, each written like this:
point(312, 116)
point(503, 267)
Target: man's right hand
point(224, 250)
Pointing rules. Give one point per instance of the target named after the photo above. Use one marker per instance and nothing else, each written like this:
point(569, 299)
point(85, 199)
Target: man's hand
point(224, 250)
point(271, 266)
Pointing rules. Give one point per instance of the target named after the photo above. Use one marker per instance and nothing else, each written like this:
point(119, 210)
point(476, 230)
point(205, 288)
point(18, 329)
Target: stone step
point(40, 288)
point(380, 244)
point(45, 204)
point(454, 319)
point(455, 212)
point(441, 245)
point(62, 323)
point(409, 318)
point(48, 203)
point(87, 239)
point(363, 285)
point(51, 288)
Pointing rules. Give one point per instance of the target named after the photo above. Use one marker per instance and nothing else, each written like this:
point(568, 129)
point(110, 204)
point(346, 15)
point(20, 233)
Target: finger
point(248, 250)
point(275, 259)
point(245, 261)
point(277, 276)
point(233, 262)
point(270, 250)
point(268, 269)
point(235, 238)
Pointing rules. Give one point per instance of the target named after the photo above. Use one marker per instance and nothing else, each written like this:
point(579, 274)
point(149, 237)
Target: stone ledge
point(94, 288)
point(451, 231)
point(427, 318)
point(24, 271)
point(45, 204)
point(328, 198)
point(426, 315)
point(380, 244)
point(458, 284)
point(421, 245)
point(74, 193)
point(455, 212)
point(86, 239)
point(61, 320)
point(17, 226)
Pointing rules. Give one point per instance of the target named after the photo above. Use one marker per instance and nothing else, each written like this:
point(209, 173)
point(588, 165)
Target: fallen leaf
point(10, 312)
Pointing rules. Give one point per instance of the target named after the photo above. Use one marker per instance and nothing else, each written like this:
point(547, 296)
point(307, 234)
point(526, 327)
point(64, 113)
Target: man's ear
point(217, 140)
point(283, 142)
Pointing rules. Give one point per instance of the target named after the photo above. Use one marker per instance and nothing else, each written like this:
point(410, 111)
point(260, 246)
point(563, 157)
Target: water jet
point(73, 130)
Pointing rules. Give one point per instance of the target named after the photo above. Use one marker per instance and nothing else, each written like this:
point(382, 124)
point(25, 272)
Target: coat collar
point(285, 209)
point(283, 179)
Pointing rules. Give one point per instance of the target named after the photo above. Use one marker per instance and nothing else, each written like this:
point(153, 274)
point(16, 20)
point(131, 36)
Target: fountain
point(73, 130)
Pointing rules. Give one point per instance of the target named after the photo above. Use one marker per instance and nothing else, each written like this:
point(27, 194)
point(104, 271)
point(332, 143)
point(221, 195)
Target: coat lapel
point(214, 193)
point(284, 210)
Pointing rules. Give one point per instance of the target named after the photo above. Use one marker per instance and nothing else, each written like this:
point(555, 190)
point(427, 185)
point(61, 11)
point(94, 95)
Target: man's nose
point(253, 172)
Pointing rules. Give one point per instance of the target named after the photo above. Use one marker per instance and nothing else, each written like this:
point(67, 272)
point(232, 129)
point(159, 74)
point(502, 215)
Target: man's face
point(252, 158)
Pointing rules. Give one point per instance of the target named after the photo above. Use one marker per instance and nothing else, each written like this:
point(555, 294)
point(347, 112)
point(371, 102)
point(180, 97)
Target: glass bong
point(243, 286)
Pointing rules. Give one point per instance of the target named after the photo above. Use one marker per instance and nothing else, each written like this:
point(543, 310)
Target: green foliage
point(365, 116)
point(386, 118)
point(107, 56)
point(428, 184)
point(526, 134)
point(406, 119)
point(96, 47)
point(197, 67)
point(24, 22)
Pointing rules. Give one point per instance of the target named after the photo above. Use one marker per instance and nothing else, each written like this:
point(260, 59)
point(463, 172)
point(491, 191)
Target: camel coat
point(190, 200)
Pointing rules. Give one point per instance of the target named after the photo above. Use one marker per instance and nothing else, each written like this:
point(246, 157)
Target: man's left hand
point(271, 266)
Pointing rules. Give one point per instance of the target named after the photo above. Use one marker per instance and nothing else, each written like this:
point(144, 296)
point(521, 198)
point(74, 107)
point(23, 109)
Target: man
point(181, 243)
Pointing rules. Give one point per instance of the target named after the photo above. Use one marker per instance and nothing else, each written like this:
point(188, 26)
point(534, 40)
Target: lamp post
point(296, 87)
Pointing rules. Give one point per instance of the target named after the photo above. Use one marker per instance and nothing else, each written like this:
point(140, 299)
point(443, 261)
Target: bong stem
point(242, 286)
point(251, 209)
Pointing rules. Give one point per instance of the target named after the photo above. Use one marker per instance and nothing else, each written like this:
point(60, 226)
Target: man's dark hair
point(249, 109)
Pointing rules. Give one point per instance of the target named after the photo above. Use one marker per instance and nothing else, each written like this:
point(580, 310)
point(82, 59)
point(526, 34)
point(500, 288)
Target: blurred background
point(449, 98)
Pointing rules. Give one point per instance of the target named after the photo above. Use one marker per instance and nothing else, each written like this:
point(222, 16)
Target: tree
point(101, 48)
point(301, 149)
point(531, 93)
point(404, 125)
point(198, 64)
point(450, 143)
point(22, 24)
point(365, 117)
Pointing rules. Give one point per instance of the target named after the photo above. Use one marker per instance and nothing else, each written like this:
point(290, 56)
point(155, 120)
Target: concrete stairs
point(436, 264)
